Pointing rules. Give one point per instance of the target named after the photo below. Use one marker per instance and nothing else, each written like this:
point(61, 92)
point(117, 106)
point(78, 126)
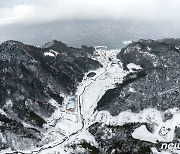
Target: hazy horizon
point(89, 22)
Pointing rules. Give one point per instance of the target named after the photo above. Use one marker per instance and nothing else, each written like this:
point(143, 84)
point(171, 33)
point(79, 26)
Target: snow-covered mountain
point(30, 78)
point(60, 99)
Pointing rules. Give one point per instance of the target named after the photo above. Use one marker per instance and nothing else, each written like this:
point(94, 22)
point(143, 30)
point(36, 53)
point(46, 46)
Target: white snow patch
point(2, 112)
point(142, 133)
point(177, 47)
point(111, 75)
point(51, 53)
point(132, 90)
point(132, 67)
point(8, 104)
point(8, 150)
point(88, 137)
point(148, 49)
point(162, 131)
point(3, 140)
point(54, 52)
point(53, 102)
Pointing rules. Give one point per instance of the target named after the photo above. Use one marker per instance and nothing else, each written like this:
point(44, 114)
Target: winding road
point(81, 94)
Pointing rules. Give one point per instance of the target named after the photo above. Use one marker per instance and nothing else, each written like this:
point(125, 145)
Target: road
point(82, 93)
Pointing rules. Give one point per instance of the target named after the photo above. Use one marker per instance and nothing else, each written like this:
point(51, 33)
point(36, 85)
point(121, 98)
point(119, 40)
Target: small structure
point(70, 106)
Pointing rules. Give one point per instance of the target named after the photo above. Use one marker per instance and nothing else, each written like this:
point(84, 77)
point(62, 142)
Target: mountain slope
point(156, 85)
point(150, 91)
point(30, 78)
point(129, 104)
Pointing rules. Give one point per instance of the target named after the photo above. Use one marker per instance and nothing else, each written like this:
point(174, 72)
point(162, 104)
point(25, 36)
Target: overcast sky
point(48, 10)
point(89, 22)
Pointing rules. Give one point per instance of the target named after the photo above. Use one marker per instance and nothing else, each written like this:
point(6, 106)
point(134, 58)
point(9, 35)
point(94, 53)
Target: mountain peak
point(11, 43)
point(55, 44)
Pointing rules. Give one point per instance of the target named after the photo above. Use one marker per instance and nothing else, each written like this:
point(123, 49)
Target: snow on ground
point(51, 53)
point(132, 67)
point(2, 112)
point(177, 47)
point(132, 90)
point(6, 151)
point(88, 94)
point(142, 133)
point(85, 135)
point(97, 89)
point(75, 139)
point(53, 102)
point(91, 91)
point(163, 131)
point(62, 123)
point(65, 127)
point(8, 104)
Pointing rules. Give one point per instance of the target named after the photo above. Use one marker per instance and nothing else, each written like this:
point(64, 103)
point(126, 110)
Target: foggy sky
point(88, 22)
point(35, 11)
